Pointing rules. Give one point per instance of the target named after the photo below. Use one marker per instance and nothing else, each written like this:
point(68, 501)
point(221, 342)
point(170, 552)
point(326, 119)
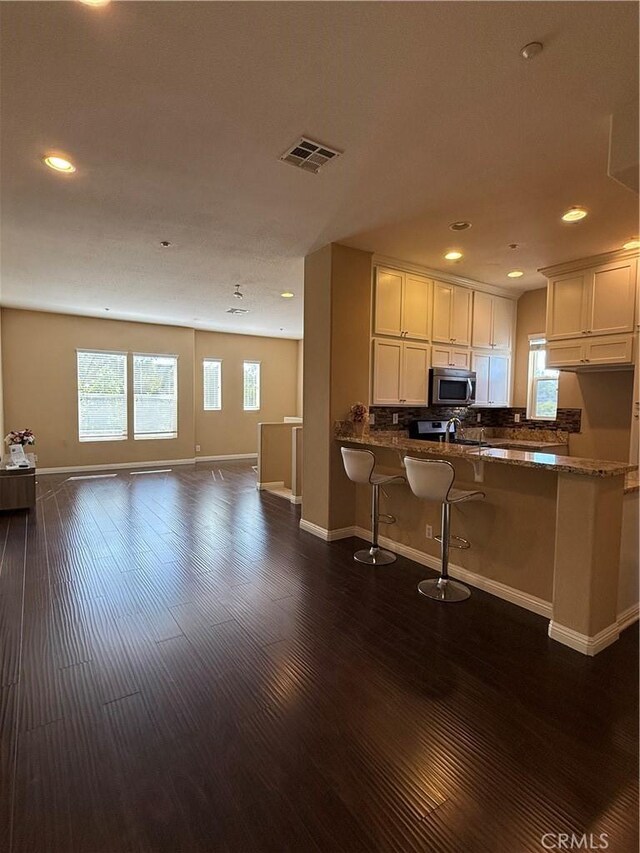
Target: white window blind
point(102, 395)
point(155, 396)
point(542, 402)
point(251, 394)
point(212, 373)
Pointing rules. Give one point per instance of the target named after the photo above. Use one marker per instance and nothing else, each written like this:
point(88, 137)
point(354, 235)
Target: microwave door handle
point(470, 387)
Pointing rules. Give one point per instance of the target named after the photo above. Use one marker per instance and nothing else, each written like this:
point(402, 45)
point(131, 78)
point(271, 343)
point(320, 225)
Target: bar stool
point(432, 480)
point(359, 466)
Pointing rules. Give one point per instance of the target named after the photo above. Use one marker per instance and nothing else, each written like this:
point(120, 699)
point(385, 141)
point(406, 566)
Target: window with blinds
point(155, 396)
point(102, 395)
point(251, 395)
point(212, 377)
point(542, 398)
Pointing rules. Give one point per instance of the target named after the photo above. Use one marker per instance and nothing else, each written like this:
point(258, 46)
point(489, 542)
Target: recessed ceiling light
point(632, 244)
point(287, 294)
point(453, 255)
point(461, 225)
point(95, 3)
point(534, 48)
point(574, 214)
point(515, 274)
point(58, 164)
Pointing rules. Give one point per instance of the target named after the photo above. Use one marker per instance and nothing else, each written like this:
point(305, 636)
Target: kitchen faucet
point(452, 421)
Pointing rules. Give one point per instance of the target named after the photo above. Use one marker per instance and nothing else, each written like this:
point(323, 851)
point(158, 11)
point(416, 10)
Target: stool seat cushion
point(458, 495)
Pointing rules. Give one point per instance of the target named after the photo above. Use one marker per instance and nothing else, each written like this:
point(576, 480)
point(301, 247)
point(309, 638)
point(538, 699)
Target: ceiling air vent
point(237, 310)
point(309, 155)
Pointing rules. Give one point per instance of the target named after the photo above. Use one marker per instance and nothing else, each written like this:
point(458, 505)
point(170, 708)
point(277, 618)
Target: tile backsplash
point(566, 419)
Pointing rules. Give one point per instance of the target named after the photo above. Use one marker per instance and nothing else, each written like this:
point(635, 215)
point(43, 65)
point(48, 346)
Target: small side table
point(18, 485)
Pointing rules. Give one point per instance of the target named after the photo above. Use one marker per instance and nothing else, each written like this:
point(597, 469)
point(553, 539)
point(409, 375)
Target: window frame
point(103, 438)
point(538, 343)
point(156, 436)
point(246, 408)
point(205, 361)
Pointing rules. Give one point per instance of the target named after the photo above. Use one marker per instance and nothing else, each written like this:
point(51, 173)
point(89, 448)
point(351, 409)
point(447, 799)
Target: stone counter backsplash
point(567, 420)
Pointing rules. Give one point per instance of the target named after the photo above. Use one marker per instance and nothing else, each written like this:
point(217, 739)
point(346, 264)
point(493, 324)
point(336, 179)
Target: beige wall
point(316, 386)
point(233, 429)
point(299, 403)
point(604, 397)
point(2, 432)
point(337, 297)
point(40, 391)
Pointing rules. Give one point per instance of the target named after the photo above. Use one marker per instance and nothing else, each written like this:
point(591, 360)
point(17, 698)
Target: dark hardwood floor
point(184, 670)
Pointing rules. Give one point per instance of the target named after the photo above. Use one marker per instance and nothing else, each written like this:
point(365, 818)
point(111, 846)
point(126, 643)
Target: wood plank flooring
point(184, 670)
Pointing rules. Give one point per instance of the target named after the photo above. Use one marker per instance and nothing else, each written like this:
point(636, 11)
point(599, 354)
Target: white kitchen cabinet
point(451, 314)
point(416, 307)
point(567, 300)
point(402, 304)
point(492, 325)
point(595, 301)
point(388, 302)
point(612, 298)
point(414, 378)
point(443, 356)
point(599, 351)
point(400, 373)
point(492, 378)
point(387, 368)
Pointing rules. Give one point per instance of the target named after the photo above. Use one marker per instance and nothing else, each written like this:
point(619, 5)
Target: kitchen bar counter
point(522, 458)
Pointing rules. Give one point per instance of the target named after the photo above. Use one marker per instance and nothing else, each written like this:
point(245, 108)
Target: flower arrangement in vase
point(358, 417)
point(19, 436)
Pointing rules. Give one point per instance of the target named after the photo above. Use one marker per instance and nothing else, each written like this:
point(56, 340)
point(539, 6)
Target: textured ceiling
point(176, 114)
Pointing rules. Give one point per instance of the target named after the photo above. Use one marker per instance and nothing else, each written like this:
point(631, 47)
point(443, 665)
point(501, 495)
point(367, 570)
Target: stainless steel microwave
point(451, 386)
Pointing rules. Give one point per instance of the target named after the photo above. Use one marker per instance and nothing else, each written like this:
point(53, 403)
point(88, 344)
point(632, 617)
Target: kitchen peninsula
point(547, 536)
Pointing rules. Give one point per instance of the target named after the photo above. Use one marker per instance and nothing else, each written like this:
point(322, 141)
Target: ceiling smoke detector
point(309, 155)
point(238, 293)
point(461, 225)
point(237, 310)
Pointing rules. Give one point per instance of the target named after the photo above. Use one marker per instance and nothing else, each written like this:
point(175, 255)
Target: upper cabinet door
point(503, 311)
point(499, 380)
point(612, 298)
point(442, 306)
point(461, 316)
point(416, 307)
point(480, 363)
point(414, 387)
point(567, 305)
point(388, 302)
point(482, 320)
point(387, 371)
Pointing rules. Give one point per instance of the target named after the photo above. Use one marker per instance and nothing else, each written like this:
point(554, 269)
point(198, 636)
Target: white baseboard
point(115, 466)
point(276, 484)
point(628, 616)
point(500, 590)
point(227, 457)
point(296, 499)
point(323, 533)
point(582, 642)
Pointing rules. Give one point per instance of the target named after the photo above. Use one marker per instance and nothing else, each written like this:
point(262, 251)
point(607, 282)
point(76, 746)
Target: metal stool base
point(443, 589)
point(374, 557)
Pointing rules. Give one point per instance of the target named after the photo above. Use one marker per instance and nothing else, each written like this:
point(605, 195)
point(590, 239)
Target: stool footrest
point(455, 542)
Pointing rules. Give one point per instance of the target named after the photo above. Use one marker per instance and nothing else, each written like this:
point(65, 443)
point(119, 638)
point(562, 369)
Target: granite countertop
point(523, 458)
point(632, 482)
point(515, 443)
